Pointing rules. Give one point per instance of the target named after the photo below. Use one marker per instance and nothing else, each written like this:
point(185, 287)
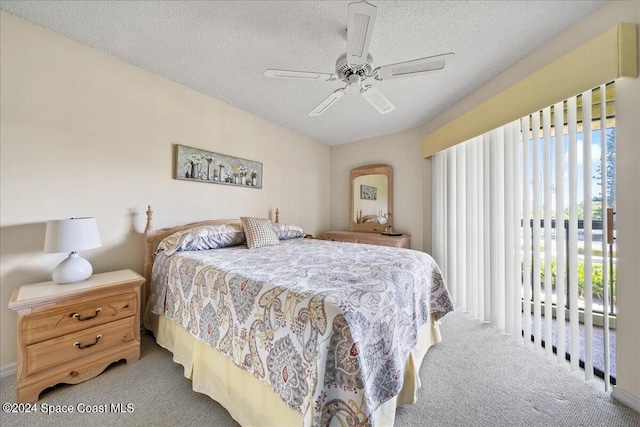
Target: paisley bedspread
point(328, 325)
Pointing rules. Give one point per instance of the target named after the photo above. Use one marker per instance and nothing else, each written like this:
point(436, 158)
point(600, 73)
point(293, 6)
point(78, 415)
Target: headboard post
point(277, 216)
point(149, 234)
point(149, 227)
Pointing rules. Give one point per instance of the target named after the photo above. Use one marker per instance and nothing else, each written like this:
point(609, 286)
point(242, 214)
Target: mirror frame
point(371, 170)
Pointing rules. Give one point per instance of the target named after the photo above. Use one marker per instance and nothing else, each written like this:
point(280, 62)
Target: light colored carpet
point(475, 377)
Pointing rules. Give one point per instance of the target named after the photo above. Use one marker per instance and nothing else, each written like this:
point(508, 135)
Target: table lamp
point(72, 235)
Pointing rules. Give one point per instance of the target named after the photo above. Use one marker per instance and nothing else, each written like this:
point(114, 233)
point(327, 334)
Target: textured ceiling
point(221, 49)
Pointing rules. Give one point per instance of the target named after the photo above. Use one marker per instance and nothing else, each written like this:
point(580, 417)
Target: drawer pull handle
point(82, 319)
point(80, 346)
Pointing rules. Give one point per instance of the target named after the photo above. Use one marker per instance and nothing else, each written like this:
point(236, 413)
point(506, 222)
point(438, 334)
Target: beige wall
point(401, 151)
point(85, 134)
point(628, 176)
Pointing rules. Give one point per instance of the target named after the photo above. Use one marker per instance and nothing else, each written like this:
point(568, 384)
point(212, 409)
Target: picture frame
point(368, 192)
point(194, 164)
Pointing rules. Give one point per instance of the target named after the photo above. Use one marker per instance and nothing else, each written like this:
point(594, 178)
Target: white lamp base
point(72, 270)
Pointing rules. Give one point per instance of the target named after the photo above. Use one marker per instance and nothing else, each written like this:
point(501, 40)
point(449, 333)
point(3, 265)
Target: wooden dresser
point(71, 333)
point(401, 241)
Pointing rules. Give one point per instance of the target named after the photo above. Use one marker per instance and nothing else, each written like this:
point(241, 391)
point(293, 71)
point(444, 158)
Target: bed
point(303, 332)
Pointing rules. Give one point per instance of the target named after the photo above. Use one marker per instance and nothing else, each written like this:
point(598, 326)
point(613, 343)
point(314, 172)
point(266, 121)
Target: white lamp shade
point(72, 234)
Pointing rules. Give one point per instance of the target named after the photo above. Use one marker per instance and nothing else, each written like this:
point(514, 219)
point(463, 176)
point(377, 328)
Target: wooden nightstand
point(71, 333)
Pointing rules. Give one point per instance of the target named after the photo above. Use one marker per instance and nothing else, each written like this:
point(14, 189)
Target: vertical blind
point(503, 202)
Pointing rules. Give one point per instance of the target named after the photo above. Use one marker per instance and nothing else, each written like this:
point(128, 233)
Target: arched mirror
point(371, 198)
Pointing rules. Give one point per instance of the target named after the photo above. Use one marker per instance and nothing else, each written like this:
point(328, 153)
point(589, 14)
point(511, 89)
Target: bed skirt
point(251, 402)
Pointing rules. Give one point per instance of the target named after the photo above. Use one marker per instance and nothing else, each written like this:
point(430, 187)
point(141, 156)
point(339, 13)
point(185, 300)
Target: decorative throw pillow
point(288, 231)
point(203, 238)
point(259, 232)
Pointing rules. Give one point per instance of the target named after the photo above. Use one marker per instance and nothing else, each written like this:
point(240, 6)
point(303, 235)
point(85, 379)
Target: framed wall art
point(193, 164)
point(368, 192)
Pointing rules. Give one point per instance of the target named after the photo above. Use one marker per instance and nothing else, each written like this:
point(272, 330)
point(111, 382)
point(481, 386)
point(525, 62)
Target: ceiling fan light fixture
point(377, 99)
point(344, 69)
point(354, 80)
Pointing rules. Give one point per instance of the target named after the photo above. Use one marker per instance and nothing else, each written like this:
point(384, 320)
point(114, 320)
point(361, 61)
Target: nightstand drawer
point(54, 323)
point(70, 347)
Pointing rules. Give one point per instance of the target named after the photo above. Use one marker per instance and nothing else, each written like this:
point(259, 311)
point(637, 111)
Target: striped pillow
point(259, 232)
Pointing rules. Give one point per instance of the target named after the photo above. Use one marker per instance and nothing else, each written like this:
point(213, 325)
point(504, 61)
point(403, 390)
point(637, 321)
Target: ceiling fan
point(356, 65)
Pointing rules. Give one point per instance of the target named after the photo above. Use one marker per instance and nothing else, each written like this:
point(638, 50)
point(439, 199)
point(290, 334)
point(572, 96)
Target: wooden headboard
point(153, 237)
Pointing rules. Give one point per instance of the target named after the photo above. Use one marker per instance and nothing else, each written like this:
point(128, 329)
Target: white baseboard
point(628, 399)
point(7, 370)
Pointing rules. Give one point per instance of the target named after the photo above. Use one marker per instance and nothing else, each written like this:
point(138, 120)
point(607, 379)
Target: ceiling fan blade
point(328, 102)
point(362, 16)
point(377, 99)
point(415, 67)
point(300, 75)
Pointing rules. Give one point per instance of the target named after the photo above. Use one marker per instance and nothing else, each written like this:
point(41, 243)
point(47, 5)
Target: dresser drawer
point(54, 323)
point(67, 348)
point(399, 241)
point(347, 239)
point(376, 242)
